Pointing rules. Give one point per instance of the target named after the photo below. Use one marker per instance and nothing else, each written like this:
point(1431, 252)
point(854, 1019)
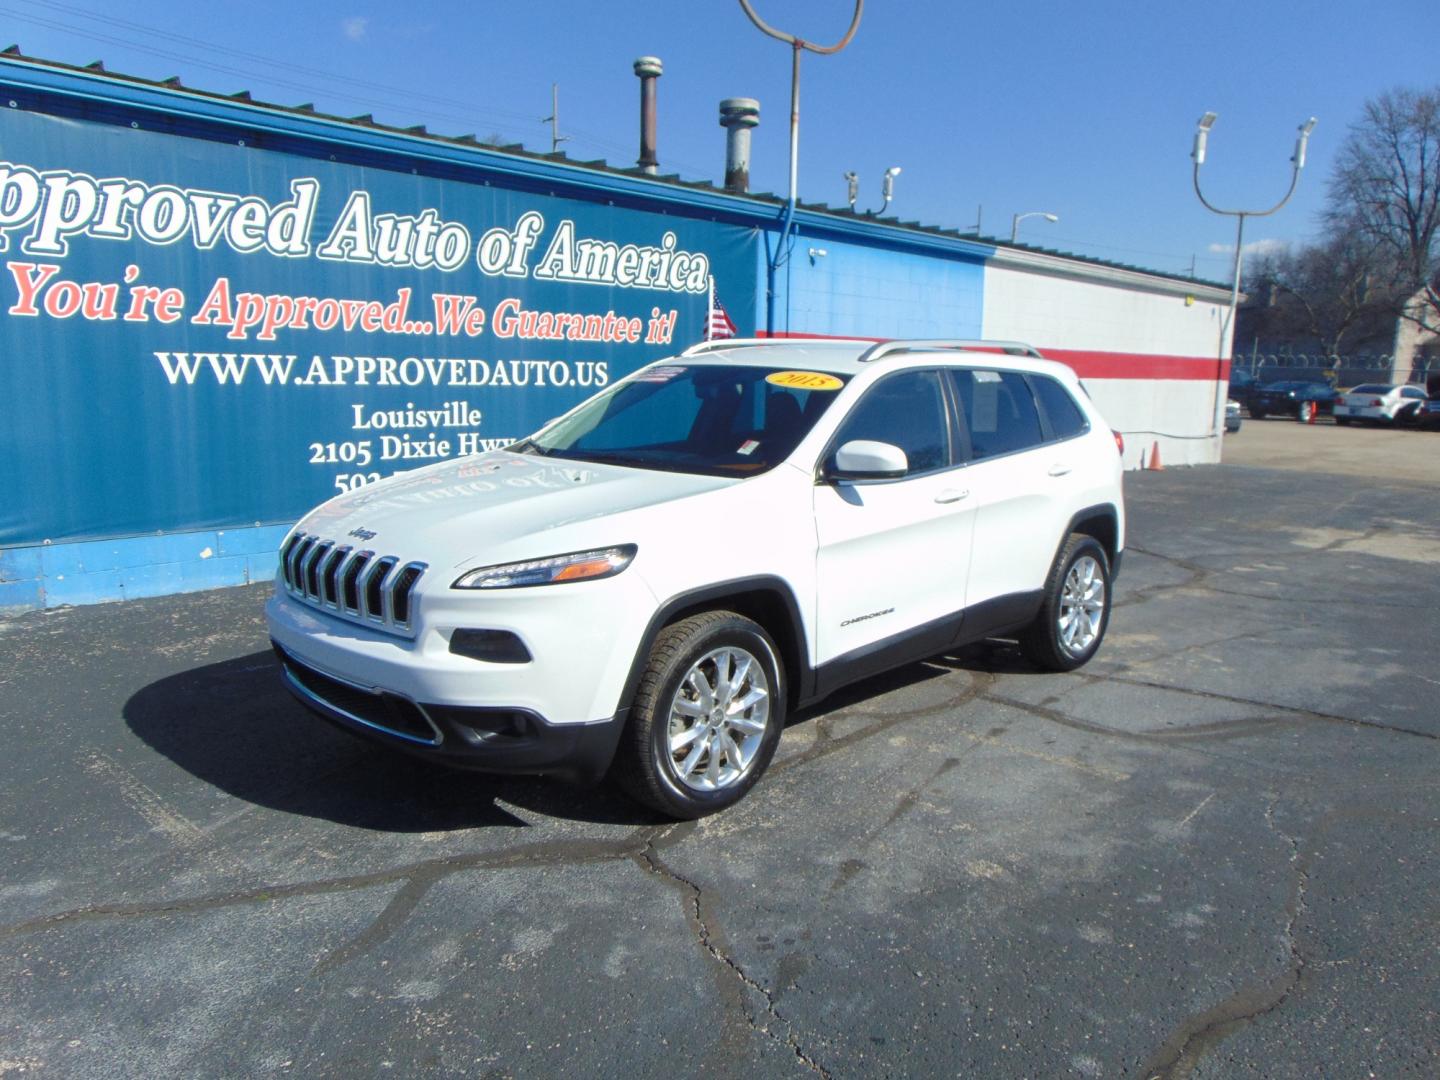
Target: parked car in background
point(1232, 416)
point(1380, 403)
point(1299, 399)
point(1242, 385)
point(1429, 415)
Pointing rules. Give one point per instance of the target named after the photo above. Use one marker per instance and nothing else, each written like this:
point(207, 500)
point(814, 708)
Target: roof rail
point(1009, 348)
point(737, 343)
point(725, 343)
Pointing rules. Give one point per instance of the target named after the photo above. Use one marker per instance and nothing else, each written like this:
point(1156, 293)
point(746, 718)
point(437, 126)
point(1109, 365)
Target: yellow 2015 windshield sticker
point(804, 380)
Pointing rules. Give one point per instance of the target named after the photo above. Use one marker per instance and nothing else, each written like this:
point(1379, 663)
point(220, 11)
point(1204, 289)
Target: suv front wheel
point(707, 716)
point(1076, 610)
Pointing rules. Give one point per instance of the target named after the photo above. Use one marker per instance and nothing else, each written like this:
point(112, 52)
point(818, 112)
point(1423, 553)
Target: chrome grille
point(358, 585)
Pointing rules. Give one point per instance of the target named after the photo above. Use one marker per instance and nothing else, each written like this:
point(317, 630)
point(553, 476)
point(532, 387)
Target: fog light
point(480, 726)
point(493, 646)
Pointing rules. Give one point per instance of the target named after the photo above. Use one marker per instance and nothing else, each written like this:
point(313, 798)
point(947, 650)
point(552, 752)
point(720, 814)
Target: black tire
point(1042, 641)
point(1256, 414)
point(646, 767)
point(1343, 421)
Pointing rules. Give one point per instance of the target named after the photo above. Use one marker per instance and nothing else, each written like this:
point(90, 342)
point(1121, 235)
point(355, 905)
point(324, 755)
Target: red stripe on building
point(1116, 365)
point(1089, 363)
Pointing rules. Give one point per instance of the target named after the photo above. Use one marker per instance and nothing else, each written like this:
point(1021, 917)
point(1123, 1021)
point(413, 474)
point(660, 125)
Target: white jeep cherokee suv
point(660, 576)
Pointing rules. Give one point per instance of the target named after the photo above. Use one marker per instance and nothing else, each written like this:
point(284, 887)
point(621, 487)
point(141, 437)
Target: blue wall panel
point(874, 292)
point(88, 572)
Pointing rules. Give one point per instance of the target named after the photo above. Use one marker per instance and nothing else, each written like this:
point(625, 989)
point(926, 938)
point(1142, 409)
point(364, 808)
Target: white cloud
point(1252, 249)
point(355, 26)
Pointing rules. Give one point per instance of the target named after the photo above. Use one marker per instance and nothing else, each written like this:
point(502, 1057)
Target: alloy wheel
point(1082, 606)
point(718, 718)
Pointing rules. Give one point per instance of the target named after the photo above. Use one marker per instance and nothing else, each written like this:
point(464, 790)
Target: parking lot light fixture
point(1202, 136)
point(1301, 142)
point(888, 187)
point(1016, 219)
point(797, 46)
point(1197, 152)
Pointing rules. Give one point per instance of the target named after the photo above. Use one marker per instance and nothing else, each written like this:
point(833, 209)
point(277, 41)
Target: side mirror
point(864, 459)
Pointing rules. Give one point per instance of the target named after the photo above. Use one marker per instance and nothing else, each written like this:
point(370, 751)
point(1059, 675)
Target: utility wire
point(330, 77)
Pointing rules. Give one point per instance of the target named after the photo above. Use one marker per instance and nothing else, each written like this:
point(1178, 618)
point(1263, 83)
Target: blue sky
point(1085, 110)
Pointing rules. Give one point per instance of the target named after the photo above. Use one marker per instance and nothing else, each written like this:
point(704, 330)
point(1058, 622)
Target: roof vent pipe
point(737, 116)
point(648, 69)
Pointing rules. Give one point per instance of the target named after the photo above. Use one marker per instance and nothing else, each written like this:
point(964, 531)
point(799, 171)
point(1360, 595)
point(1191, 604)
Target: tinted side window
point(1066, 419)
point(906, 410)
point(999, 411)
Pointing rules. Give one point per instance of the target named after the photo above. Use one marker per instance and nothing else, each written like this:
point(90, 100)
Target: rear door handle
point(950, 495)
point(1059, 470)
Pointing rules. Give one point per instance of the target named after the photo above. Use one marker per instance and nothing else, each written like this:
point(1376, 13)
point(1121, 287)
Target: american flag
point(718, 324)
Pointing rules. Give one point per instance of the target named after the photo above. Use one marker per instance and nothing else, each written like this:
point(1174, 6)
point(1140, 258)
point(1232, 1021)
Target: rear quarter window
point(1066, 419)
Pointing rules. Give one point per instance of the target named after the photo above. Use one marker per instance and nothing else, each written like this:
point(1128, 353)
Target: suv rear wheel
point(707, 716)
point(1076, 610)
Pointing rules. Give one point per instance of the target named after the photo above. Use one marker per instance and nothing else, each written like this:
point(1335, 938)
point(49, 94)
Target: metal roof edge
point(245, 113)
point(1082, 269)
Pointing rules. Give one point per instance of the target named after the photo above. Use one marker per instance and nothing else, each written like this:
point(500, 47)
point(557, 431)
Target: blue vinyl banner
point(197, 334)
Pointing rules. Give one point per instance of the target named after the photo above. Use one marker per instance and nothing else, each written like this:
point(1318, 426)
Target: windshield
point(716, 419)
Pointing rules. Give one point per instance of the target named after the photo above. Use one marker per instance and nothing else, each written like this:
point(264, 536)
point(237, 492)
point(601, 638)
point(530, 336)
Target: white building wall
point(1144, 347)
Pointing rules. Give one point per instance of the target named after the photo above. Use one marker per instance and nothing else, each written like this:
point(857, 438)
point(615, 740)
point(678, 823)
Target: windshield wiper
point(528, 446)
point(607, 457)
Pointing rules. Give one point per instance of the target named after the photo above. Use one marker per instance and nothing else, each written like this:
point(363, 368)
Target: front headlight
point(557, 569)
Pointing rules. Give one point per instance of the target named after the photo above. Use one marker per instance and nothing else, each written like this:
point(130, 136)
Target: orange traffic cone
point(1155, 459)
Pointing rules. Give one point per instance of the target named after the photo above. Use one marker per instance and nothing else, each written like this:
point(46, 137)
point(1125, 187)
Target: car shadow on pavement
point(233, 725)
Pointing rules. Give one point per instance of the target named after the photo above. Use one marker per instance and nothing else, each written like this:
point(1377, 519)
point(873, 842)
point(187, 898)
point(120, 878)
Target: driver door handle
point(1059, 470)
point(951, 495)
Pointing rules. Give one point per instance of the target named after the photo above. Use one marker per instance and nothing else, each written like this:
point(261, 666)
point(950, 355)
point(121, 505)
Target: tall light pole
point(1297, 162)
point(1015, 221)
point(796, 46)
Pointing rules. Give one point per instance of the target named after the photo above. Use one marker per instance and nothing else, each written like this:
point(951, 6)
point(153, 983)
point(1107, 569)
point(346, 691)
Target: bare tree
point(1332, 291)
point(1386, 187)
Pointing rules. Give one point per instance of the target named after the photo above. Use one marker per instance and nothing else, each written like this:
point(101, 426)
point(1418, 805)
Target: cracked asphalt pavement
point(1213, 852)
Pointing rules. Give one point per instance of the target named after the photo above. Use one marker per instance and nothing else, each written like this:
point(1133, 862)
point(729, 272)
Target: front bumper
point(559, 710)
point(486, 738)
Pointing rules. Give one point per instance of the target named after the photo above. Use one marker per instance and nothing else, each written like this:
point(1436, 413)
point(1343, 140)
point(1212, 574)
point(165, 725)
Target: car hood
point(445, 513)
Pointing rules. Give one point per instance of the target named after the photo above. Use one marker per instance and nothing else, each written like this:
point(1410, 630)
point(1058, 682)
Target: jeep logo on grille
point(361, 534)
